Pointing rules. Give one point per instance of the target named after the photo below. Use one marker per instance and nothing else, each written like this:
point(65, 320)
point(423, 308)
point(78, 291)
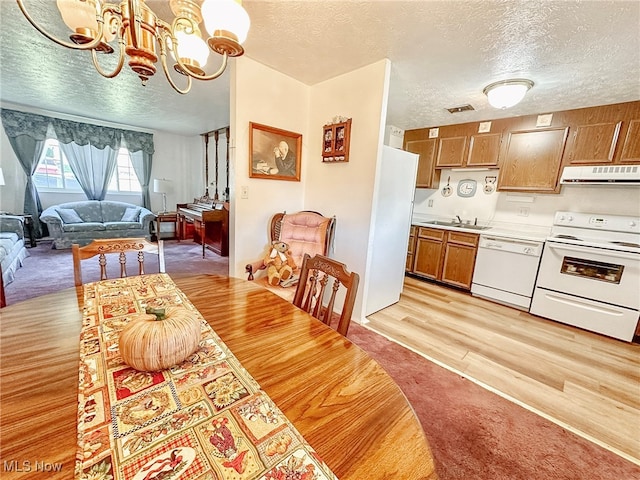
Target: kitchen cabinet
point(411, 248)
point(484, 150)
point(604, 135)
point(532, 160)
point(445, 256)
point(427, 176)
point(529, 154)
point(428, 252)
point(593, 143)
point(631, 148)
point(451, 151)
point(458, 146)
point(459, 259)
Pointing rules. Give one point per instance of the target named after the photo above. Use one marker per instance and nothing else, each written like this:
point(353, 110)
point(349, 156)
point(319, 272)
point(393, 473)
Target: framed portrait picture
point(274, 153)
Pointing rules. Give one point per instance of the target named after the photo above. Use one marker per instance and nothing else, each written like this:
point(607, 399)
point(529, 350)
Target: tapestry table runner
point(205, 418)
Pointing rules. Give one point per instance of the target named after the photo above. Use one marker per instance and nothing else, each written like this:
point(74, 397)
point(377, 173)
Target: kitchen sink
point(457, 225)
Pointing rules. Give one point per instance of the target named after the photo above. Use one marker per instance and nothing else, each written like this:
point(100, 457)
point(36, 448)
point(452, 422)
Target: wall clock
point(467, 188)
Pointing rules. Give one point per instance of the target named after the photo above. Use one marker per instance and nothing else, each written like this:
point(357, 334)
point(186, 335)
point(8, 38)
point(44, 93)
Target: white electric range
point(589, 274)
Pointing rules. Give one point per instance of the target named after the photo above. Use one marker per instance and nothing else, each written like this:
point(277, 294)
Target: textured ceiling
point(443, 53)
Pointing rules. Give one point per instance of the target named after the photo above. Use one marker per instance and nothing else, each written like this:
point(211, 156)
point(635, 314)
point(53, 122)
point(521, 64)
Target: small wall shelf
point(335, 142)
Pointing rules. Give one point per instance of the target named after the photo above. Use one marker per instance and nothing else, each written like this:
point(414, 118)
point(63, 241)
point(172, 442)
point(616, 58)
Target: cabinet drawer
point(462, 238)
point(433, 233)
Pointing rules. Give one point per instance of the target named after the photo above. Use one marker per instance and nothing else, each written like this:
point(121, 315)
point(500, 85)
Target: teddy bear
point(279, 262)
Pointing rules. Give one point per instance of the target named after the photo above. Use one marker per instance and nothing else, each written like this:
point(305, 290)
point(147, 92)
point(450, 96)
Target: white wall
point(262, 95)
point(503, 207)
point(346, 189)
point(180, 160)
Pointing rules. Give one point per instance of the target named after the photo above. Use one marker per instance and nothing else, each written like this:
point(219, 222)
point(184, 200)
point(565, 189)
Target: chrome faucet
point(459, 219)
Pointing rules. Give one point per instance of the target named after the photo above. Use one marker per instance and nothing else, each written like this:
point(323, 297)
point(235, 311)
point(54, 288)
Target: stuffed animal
point(279, 262)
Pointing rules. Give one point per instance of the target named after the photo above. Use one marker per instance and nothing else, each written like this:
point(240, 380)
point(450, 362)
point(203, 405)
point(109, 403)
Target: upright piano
point(207, 222)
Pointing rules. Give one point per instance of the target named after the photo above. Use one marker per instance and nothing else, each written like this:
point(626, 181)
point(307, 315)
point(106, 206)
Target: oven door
point(608, 276)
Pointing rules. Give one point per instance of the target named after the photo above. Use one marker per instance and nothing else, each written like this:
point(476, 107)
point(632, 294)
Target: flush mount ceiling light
point(142, 36)
point(507, 93)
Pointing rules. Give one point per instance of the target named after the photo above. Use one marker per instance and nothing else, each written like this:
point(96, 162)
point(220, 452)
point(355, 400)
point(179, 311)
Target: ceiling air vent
point(462, 108)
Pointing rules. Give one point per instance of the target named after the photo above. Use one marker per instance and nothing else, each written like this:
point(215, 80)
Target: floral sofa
point(81, 222)
point(12, 248)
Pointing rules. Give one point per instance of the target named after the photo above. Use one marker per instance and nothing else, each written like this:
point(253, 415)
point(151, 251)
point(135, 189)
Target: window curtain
point(92, 167)
point(27, 134)
point(140, 147)
point(92, 152)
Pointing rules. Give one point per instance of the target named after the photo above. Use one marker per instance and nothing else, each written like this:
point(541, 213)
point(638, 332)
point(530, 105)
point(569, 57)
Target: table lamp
point(160, 185)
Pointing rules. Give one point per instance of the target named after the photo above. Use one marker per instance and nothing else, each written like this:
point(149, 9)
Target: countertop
point(498, 229)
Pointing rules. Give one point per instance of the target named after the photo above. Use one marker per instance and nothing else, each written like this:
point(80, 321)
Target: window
point(124, 178)
point(54, 172)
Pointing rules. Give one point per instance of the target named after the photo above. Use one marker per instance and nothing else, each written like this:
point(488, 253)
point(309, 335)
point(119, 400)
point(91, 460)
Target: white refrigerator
point(390, 224)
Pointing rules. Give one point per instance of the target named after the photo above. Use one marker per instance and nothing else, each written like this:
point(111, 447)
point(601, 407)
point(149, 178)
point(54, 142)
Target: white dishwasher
point(506, 270)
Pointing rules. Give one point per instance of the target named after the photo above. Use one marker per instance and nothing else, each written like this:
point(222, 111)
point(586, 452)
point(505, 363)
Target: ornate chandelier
point(143, 37)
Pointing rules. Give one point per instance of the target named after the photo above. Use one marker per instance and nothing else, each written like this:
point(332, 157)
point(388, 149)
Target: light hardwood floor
point(583, 381)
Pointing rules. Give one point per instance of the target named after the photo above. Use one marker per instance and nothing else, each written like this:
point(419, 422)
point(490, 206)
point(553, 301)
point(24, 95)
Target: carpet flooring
point(474, 434)
point(46, 270)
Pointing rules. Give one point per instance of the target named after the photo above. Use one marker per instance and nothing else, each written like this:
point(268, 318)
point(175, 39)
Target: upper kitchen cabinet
point(532, 160)
point(631, 148)
point(593, 143)
point(452, 146)
point(484, 149)
point(418, 142)
point(456, 146)
point(603, 135)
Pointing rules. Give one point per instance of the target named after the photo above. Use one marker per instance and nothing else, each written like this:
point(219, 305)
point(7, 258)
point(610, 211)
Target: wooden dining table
point(342, 402)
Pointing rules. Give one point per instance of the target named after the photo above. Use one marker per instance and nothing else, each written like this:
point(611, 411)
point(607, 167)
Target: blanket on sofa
point(12, 248)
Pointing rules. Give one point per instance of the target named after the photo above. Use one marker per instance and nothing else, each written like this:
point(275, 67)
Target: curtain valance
point(22, 123)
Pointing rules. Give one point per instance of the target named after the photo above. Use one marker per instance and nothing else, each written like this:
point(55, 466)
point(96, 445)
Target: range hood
point(601, 175)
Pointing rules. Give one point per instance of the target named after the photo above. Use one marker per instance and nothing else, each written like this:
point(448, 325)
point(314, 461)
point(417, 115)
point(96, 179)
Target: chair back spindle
point(103, 247)
point(317, 273)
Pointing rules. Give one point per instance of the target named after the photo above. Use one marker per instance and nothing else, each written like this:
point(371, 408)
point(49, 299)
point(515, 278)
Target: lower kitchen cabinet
point(459, 259)
point(411, 248)
point(445, 256)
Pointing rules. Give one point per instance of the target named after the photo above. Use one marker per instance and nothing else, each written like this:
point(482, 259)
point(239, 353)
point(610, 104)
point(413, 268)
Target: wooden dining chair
point(104, 246)
point(314, 288)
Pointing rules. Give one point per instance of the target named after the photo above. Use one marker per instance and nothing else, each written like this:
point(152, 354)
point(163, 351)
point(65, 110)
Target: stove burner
point(627, 244)
point(568, 237)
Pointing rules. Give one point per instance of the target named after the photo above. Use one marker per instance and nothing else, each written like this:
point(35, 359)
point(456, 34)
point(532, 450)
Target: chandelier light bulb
point(226, 16)
point(78, 14)
point(192, 49)
point(507, 93)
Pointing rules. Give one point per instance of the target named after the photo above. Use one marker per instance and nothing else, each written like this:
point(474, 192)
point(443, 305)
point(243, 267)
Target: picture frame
point(274, 154)
point(336, 139)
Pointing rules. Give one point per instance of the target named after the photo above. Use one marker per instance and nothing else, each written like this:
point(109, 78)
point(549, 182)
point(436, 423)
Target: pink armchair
point(305, 232)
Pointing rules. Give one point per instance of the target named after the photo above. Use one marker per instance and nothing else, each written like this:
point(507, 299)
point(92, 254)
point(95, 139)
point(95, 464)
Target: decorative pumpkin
point(159, 339)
